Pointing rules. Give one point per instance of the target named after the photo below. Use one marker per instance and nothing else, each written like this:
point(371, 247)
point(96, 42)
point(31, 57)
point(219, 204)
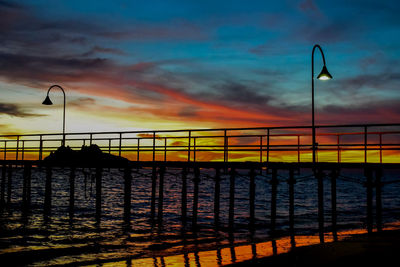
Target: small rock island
point(88, 155)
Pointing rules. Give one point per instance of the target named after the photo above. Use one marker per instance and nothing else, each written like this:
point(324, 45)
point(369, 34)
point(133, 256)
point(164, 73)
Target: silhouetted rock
point(87, 155)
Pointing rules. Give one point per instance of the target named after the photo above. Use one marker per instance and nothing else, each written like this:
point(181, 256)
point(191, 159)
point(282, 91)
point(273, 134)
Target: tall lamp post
point(47, 101)
point(324, 75)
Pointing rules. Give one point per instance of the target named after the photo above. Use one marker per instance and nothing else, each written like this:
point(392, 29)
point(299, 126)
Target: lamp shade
point(324, 75)
point(47, 101)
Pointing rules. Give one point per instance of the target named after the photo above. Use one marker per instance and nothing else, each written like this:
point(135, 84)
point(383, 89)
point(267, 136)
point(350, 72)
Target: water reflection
point(234, 254)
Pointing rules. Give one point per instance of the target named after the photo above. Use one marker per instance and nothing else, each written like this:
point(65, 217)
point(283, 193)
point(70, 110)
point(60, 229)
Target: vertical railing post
point(5, 150)
point(41, 148)
point(194, 149)
point(189, 141)
point(154, 146)
point(138, 150)
point(120, 145)
point(23, 150)
point(225, 147)
point(165, 148)
point(90, 139)
point(380, 148)
point(261, 148)
point(16, 149)
point(109, 146)
point(338, 148)
point(298, 149)
point(365, 144)
point(267, 147)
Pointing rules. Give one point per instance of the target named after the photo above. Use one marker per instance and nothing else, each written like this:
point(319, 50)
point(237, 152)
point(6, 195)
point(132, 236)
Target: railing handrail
point(212, 129)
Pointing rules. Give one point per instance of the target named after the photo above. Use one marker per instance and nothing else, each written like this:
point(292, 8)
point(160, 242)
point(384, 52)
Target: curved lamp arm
point(47, 101)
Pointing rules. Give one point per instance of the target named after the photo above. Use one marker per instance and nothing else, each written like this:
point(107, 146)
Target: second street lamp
point(47, 101)
point(324, 75)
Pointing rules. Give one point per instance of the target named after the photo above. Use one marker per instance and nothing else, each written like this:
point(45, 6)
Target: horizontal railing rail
point(335, 143)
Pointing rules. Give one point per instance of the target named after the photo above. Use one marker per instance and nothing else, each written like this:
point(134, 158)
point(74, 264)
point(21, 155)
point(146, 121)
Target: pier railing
point(364, 143)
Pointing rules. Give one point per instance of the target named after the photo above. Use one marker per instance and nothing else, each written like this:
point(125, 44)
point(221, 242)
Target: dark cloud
point(236, 93)
point(372, 111)
point(103, 50)
point(18, 67)
point(82, 101)
point(310, 8)
point(388, 81)
point(15, 110)
point(8, 4)
point(188, 111)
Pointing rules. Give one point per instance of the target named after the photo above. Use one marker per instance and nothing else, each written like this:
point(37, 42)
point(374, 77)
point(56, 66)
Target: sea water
point(32, 239)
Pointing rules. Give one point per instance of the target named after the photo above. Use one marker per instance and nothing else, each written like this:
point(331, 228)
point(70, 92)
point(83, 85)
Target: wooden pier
point(253, 150)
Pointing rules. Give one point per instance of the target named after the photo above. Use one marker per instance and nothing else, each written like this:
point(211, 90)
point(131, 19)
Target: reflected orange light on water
point(240, 253)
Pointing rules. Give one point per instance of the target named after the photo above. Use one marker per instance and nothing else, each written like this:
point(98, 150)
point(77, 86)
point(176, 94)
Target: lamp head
point(324, 75)
point(47, 101)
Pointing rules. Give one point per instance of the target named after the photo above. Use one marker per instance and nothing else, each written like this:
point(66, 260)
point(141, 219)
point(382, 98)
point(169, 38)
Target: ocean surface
point(30, 239)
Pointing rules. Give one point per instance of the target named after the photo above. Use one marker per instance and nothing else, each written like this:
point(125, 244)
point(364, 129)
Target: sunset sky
point(133, 65)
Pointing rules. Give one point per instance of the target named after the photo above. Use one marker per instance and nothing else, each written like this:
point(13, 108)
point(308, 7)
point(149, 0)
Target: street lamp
point(47, 101)
point(324, 75)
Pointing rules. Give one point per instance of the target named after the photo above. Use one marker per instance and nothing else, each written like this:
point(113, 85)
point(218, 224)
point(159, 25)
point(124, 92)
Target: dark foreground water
point(32, 240)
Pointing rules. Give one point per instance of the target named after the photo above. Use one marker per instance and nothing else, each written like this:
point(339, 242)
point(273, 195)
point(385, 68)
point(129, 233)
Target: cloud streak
point(15, 110)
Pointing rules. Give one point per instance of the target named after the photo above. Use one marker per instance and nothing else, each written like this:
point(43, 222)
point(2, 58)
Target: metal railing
point(378, 143)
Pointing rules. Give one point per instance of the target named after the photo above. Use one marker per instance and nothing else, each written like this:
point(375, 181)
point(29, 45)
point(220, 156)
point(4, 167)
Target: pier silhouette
point(267, 152)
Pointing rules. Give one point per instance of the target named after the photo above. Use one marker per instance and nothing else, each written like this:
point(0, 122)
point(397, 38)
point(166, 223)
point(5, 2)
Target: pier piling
point(252, 194)
point(153, 193)
point(291, 183)
point(232, 198)
point(71, 192)
point(274, 185)
point(368, 176)
point(196, 181)
point(9, 184)
point(26, 188)
point(320, 180)
point(47, 192)
point(184, 197)
point(99, 171)
point(161, 196)
point(217, 191)
point(3, 186)
point(127, 194)
point(334, 175)
point(378, 199)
